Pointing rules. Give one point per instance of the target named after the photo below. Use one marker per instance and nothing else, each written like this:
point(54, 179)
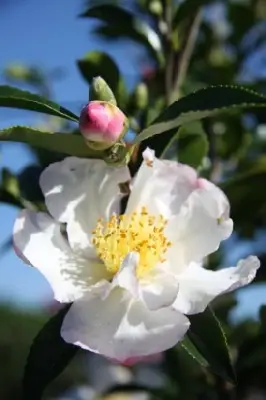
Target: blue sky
point(46, 34)
point(49, 34)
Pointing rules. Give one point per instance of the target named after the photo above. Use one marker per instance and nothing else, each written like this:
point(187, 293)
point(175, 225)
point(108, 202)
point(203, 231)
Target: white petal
point(201, 225)
point(78, 192)
point(162, 186)
point(199, 286)
point(126, 277)
point(120, 327)
point(159, 290)
point(38, 239)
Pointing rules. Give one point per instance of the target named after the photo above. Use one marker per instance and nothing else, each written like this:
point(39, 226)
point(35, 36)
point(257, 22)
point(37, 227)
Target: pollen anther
point(140, 232)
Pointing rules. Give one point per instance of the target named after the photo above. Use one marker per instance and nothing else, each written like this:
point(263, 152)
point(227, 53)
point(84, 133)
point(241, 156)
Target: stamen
point(139, 232)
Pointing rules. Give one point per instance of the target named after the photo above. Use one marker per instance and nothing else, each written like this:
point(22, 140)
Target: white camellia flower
point(131, 277)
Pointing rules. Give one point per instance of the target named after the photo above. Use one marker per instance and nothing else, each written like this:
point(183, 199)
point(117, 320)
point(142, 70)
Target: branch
point(169, 53)
point(187, 53)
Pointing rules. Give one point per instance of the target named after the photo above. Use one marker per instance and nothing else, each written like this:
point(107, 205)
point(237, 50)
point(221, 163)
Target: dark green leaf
point(242, 17)
point(201, 104)
point(192, 149)
point(15, 98)
point(100, 64)
point(207, 335)
point(6, 197)
point(129, 26)
point(9, 190)
point(49, 355)
point(192, 144)
point(10, 183)
point(160, 143)
point(59, 142)
point(188, 346)
point(189, 143)
point(246, 198)
point(29, 183)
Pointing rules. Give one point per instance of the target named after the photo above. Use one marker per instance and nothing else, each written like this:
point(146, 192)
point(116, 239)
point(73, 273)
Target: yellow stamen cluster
point(140, 232)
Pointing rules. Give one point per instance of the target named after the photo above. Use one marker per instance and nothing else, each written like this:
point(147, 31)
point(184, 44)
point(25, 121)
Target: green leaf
point(6, 197)
point(247, 200)
point(188, 346)
point(201, 104)
point(161, 144)
point(192, 144)
point(129, 26)
point(9, 190)
point(207, 335)
point(15, 98)
point(95, 64)
point(101, 91)
point(59, 142)
point(49, 355)
point(29, 183)
point(10, 183)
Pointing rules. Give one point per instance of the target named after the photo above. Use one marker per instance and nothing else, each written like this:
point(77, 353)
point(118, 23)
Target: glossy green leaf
point(9, 190)
point(188, 346)
point(161, 144)
point(129, 26)
point(207, 335)
point(9, 198)
point(101, 91)
point(49, 355)
point(247, 200)
point(28, 180)
point(15, 98)
point(59, 142)
point(10, 183)
point(201, 104)
point(95, 64)
point(192, 144)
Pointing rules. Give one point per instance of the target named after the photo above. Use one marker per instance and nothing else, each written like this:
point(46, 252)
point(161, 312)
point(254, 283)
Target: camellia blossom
point(133, 277)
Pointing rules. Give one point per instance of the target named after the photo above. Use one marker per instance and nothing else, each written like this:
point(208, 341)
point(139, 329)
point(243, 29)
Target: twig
point(187, 53)
point(169, 53)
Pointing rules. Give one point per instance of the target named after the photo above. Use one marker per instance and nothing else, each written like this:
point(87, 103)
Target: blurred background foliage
point(184, 46)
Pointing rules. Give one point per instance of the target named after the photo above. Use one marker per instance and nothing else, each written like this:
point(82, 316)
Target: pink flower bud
point(102, 124)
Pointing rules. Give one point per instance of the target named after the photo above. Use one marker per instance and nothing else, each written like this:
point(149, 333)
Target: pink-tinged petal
point(199, 286)
point(97, 118)
point(153, 358)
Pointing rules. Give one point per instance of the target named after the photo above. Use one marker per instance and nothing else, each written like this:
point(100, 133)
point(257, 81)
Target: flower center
point(140, 232)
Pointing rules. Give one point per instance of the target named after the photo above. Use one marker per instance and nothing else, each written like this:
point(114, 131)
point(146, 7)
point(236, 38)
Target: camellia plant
point(127, 227)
